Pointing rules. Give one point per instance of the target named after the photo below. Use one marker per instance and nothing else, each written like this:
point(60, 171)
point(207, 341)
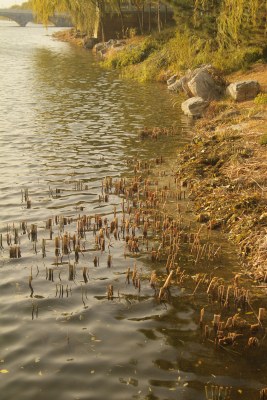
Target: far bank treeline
point(205, 29)
point(228, 20)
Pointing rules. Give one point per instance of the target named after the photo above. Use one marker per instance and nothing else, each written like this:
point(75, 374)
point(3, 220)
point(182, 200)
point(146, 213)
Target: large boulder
point(194, 107)
point(243, 90)
point(203, 84)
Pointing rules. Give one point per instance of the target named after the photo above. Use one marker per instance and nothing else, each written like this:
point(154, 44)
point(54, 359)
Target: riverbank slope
point(225, 166)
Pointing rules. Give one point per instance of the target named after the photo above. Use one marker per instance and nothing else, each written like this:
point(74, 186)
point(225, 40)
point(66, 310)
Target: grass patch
point(173, 51)
point(263, 140)
point(261, 99)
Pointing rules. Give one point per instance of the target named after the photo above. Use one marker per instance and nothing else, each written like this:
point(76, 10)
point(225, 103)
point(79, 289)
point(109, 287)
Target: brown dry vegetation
point(227, 170)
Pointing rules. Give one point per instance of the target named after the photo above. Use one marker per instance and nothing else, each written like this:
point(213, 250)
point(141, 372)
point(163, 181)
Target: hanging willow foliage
point(86, 14)
point(238, 17)
point(228, 20)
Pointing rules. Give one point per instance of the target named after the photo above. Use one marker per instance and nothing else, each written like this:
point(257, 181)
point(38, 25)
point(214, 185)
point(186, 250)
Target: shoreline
point(230, 136)
point(223, 174)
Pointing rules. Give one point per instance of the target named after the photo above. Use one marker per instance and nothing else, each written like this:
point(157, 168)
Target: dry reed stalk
point(215, 392)
point(43, 248)
point(77, 253)
point(85, 274)
point(128, 275)
point(197, 285)
point(71, 272)
point(263, 394)
point(110, 292)
point(216, 322)
point(51, 274)
point(109, 261)
point(213, 280)
point(33, 233)
point(14, 251)
point(24, 227)
point(30, 284)
point(57, 246)
point(202, 312)
point(66, 244)
point(253, 342)
point(166, 285)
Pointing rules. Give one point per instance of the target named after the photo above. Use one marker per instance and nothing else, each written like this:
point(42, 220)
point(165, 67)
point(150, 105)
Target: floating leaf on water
point(92, 372)
point(240, 391)
point(4, 371)
point(185, 384)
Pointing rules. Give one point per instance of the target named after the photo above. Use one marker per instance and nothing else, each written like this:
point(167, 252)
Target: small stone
point(172, 79)
point(203, 217)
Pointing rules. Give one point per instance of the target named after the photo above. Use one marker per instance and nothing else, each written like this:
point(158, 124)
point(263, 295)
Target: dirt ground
point(226, 170)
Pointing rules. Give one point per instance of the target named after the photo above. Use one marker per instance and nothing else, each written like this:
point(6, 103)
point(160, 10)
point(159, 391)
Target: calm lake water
point(65, 125)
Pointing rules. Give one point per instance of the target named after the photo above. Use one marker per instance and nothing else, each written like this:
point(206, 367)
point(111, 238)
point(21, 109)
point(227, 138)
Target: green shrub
point(261, 99)
point(132, 54)
point(176, 50)
point(263, 140)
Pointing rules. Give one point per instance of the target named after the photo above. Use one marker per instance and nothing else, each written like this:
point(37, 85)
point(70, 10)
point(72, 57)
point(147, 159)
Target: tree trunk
point(101, 19)
point(139, 20)
point(149, 18)
point(122, 19)
point(159, 22)
point(143, 13)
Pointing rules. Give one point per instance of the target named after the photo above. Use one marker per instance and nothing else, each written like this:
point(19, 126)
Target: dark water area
point(66, 124)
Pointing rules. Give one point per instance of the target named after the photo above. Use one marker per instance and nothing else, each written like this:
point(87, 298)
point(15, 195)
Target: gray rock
point(99, 47)
point(176, 86)
point(243, 90)
point(89, 42)
point(111, 42)
point(203, 85)
point(194, 107)
point(117, 45)
point(199, 83)
point(171, 80)
point(180, 85)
